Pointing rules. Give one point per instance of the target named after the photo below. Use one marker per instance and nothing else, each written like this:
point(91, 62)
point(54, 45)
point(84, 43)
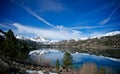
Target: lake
point(78, 58)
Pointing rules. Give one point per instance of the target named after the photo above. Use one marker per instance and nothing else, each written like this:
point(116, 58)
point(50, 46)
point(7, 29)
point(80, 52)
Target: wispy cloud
point(33, 13)
point(85, 27)
point(109, 17)
point(99, 9)
point(5, 26)
point(56, 34)
point(89, 27)
point(59, 33)
point(38, 17)
point(51, 5)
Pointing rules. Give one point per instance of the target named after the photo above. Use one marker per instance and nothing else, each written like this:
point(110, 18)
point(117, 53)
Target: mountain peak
point(112, 33)
point(37, 39)
point(106, 34)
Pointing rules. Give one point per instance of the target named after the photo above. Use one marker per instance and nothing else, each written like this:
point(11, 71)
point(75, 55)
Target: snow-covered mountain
point(42, 40)
point(112, 33)
point(22, 38)
point(106, 34)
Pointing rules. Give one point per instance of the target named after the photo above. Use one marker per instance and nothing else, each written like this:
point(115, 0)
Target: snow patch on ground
point(34, 72)
point(37, 72)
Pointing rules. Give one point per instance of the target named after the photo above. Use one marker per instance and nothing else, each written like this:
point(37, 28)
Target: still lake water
point(78, 58)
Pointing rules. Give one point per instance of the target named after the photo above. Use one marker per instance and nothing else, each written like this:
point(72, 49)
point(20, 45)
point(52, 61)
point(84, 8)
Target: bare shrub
point(88, 68)
point(41, 60)
point(91, 68)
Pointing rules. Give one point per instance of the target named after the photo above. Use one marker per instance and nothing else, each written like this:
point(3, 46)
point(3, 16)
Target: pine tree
point(10, 36)
point(67, 61)
point(57, 64)
point(12, 47)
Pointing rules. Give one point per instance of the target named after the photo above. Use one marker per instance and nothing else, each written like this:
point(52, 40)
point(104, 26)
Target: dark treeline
point(13, 48)
point(13, 53)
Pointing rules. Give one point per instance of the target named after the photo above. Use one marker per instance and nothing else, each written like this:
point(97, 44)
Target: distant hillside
point(19, 48)
point(104, 42)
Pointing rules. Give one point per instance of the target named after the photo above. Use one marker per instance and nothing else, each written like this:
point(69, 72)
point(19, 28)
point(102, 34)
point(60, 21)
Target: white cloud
point(55, 33)
point(58, 33)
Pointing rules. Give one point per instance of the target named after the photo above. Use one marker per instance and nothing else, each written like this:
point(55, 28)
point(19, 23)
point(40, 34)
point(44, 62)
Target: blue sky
point(60, 19)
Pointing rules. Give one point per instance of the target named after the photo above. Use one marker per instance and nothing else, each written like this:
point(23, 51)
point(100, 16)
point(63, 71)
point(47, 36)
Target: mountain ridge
point(36, 39)
point(45, 40)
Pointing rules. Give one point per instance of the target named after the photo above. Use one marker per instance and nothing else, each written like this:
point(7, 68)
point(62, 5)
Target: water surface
point(78, 58)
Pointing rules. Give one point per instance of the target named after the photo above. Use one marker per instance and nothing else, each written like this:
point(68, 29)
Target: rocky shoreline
point(11, 66)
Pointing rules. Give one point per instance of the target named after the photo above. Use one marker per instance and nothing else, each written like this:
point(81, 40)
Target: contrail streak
point(38, 17)
point(33, 13)
point(106, 20)
point(114, 11)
